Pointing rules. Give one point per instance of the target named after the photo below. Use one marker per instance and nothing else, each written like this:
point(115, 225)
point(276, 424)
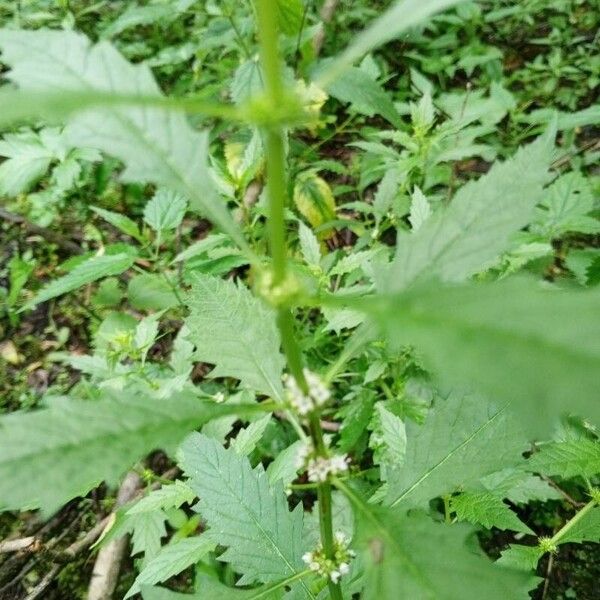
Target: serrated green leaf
point(247, 81)
point(463, 439)
point(165, 210)
point(88, 271)
point(28, 159)
point(245, 514)
point(236, 332)
point(210, 587)
point(19, 272)
point(515, 340)
point(351, 262)
point(121, 222)
point(171, 560)
point(168, 496)
point(204, 246)
point(524, 558)
point(289, 15)
point(157, 146)
point(519, 487)
point(135, 16)
point(584, 529)
point(78, 443)
point(571, 458)
point(420, 210)
point(357, 415)
point(386, 193)
point(470, 234)
point(565, 207)
point(247, 438)
point(483, 508)
point(391, 23)
point(365, 95)
point(388, 438)
point(565, 120)
point(592, 272)
point(309, 244)
point(147, 530)
point(285, 466)
point(413, 557)
point(150, 291)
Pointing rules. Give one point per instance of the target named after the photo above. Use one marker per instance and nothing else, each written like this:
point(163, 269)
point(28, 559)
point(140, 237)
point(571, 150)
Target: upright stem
point(277, 192)
point(569, 524)
point(277, 195)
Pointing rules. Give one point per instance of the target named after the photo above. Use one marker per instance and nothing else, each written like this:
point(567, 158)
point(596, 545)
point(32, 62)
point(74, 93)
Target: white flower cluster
point(317, 395)
point(331, 569)
point(320, 468)
point(305, 451)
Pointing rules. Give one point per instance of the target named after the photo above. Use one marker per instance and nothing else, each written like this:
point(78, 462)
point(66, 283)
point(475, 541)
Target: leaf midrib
point(448, 456)
point(234, 494)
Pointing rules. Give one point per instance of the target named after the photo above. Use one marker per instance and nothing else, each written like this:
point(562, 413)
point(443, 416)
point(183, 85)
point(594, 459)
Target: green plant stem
point(268, 37)
point(324, 497)
point(277, 195)
point(447, 515)
point(569, 524)
point(285, 323)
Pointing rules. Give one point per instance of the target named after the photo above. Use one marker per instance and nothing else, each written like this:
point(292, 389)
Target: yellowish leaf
point(314, 199)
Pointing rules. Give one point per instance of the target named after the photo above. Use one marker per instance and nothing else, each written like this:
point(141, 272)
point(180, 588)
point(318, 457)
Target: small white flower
point(303, 403)
point(320, 468)
point(335, 567)
point(304, 451)
point(219, 397)
point(341, 538)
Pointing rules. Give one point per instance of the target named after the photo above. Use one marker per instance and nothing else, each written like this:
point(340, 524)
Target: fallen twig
point(40, 588)
point(108, 562)
point(17, 545)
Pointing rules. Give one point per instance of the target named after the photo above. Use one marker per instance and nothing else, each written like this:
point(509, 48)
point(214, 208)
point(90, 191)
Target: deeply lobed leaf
point(245, 513)
point(77, 444)
point(157, 145)
point(236, 332)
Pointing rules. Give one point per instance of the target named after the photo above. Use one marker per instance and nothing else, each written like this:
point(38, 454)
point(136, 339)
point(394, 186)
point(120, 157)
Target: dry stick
point(87, 540)
point(47, 234)
point(547, 578)
point(327, 12)
point(108, 562)
point(563, 160)
point(72, 551)
point(40, 588)
point(16, 545)
point(562, 492)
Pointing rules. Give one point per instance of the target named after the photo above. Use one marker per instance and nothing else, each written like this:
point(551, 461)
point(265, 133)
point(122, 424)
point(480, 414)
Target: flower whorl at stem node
point(331, 568)
point(546, 544)
point(319, 468)
point(303, 403)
